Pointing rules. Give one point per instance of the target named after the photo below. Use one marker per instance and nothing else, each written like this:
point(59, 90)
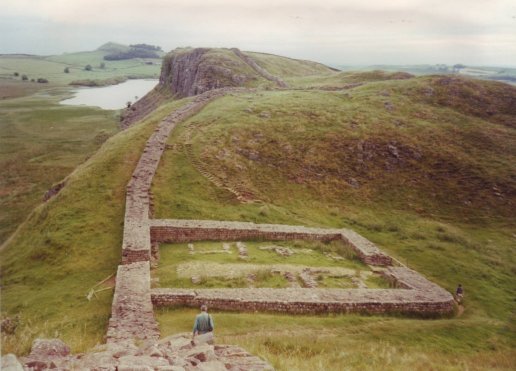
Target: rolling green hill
point(41, 141)
point(52, 67)
point(424, 167)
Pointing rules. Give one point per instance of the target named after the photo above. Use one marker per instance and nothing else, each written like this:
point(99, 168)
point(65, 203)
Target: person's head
point(204, 308)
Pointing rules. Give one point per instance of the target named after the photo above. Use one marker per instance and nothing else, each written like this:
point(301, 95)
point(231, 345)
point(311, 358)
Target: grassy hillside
point(429, 179)
point(505, 74)
point(424, 167)
point(41, 142)
point(52, 67)
point(288, 67)
point(68, 245)
point(224, 65)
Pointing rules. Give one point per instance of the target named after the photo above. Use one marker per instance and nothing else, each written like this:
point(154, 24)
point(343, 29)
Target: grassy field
point(68, 245)
point(263, 267)
point(53, 67)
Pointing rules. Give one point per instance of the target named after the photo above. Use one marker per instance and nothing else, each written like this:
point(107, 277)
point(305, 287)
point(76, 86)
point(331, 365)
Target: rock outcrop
point(188, 72)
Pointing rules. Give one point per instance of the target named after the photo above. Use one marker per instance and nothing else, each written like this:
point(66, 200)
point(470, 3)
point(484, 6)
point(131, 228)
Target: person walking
point(203, 323)
point(459, 294)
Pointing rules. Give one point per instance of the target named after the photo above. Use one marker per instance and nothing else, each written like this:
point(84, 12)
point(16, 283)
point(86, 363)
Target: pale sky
point(337, 32)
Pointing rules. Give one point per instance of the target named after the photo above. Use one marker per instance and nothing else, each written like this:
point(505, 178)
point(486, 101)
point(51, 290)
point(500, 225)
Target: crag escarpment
point(188, 72)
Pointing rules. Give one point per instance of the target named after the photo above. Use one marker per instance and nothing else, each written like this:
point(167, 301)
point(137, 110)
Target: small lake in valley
point(111, 97)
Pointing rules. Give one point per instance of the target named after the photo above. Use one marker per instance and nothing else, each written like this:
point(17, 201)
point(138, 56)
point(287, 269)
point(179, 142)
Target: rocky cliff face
point(188, 72)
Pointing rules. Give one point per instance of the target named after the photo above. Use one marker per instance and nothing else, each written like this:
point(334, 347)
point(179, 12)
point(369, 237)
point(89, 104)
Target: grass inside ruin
point(266, 264)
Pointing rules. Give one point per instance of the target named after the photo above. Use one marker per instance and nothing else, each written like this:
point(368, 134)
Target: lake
point(111, 97)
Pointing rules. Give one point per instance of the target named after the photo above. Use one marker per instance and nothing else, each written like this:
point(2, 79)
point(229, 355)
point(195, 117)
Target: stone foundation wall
point(174, 230)
point(294, 301)
point(420, 297)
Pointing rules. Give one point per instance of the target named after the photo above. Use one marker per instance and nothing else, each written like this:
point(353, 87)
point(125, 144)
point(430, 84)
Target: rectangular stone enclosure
point(414, 294)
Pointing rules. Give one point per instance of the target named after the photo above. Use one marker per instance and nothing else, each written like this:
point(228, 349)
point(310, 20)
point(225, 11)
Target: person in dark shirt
point(203, 322)
point(459, 293)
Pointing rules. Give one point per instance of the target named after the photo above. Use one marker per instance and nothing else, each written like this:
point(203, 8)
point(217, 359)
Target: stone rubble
point(191, 250)
point(242, 250)
point(177, 352)
point(292, 280)
point(307, 276)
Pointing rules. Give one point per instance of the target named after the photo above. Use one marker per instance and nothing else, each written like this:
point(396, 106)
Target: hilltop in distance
point(405, 173)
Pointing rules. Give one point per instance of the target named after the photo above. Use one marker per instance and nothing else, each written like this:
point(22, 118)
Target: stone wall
point(132, 309)
point(422, 297)
point(132, 315)
point(136, 240)
point(176, 230)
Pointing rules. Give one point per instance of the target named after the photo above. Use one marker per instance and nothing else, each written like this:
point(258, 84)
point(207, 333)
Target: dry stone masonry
point(179, 230)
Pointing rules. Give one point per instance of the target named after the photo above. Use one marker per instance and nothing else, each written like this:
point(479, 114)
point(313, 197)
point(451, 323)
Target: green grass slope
point(424, 167)
point(289, 67)
point(415, 165)
point(70, 244)
point(41, 142)
point(52, 67)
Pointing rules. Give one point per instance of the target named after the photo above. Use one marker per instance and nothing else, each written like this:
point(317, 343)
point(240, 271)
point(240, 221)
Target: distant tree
point(102, 65)
point(16, 74)
point(147, 47)
point(32, 80)
point(88, 67)
point(24, 77)
point(67, 70)
point(42, 80)
point(136, 51)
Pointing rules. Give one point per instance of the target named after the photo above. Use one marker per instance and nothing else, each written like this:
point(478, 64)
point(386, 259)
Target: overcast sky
point(338, 32)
